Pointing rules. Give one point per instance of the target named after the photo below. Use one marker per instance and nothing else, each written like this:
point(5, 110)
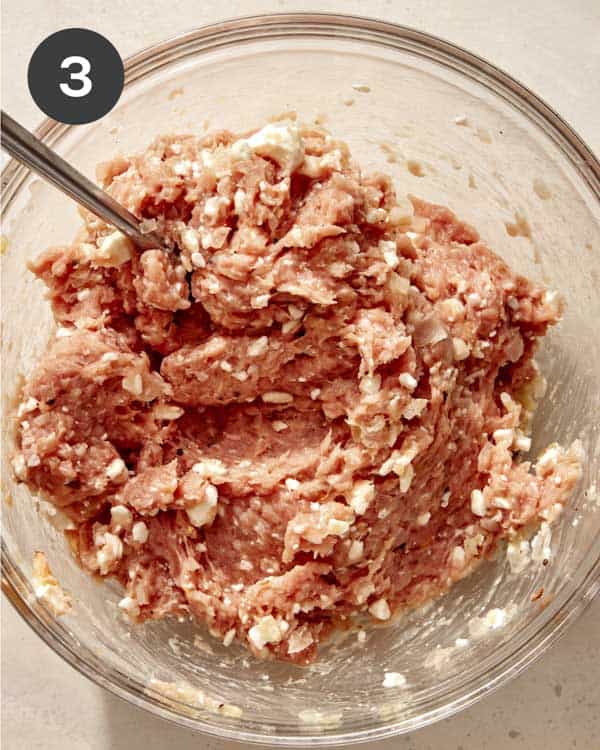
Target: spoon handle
point(30, 151)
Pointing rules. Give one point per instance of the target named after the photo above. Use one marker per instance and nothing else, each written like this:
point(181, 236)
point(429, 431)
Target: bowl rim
point(229, 33)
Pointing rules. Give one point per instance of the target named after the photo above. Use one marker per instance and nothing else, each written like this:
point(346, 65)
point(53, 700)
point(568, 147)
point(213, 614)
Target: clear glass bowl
point(514, 157)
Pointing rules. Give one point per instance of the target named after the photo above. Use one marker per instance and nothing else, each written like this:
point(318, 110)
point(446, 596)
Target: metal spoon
point(30, 151)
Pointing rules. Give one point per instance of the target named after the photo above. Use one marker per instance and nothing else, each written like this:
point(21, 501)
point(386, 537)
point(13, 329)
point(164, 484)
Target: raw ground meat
point(306, 408)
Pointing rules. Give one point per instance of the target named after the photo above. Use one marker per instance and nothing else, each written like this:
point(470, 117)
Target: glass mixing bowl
point(451, 128)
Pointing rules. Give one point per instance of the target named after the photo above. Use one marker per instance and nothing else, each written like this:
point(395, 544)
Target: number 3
point(80, 75)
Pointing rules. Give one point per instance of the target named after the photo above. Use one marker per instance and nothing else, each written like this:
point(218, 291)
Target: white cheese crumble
point(355, 552)
point(278, 141)
point(407, 381)
point(380, 610)
point(277, 397)
point(210, 468)
point(111, 550)
point(518, 555)
point(139, 532)
point(295, 312)
point(522, 442)
point(502, 502)
point(478, 504)
point(551, 513)
point(239, 200)
point(438, 658)
point(259, 301)
point(19, 466)
point(121, 516)
point(540, 544)
point(370, 384)
point(361, 496)
point(189, 240)
point(267, 630)
point(393, 680)
point(492, 620)
point(299, 640)
point(214, 204)
point(28, 406)
point(548, 458)
point(204, 512)
point(319, 719)
point(168, 412)
point(461, 349)
point(503, 436)
point(317, 166)
point(337, 527)
point(258, 347)
point(114, 250)
point(414, 408)
point(457, 557)
point(47, 588)
point(133, 383)
point(116, 468)
point(452, 309)
point(289, 326)
point(400, 463)
point(376, 216)
point(402, 213)
point(388, 249)
point(198, 260)
point(182, 168)
point(130, 606)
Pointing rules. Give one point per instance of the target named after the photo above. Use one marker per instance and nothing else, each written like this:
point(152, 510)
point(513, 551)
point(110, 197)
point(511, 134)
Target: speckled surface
point(555, 705)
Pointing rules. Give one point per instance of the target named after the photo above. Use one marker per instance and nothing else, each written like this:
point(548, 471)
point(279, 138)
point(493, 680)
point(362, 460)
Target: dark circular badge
point(75, 76)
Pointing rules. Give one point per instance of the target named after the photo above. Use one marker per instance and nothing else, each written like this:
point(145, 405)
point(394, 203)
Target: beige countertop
point(549, 45)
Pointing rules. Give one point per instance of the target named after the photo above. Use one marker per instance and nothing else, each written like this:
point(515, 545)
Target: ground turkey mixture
point(305, 408)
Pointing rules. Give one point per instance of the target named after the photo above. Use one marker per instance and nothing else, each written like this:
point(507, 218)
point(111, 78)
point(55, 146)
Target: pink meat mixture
point(306, 409)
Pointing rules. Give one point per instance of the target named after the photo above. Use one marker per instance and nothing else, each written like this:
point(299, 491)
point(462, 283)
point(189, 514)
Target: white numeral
point(79, 75)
